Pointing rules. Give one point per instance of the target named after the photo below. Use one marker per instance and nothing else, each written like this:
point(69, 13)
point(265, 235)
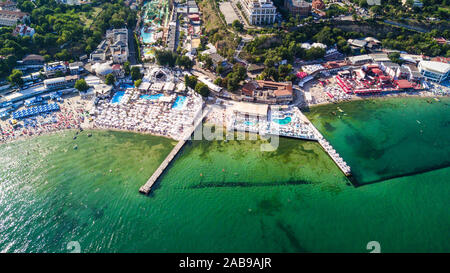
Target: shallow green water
point(388, 138)
point(217, 196)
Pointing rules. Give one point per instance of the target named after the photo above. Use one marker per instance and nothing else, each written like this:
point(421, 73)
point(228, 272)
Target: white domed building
point(102, 69)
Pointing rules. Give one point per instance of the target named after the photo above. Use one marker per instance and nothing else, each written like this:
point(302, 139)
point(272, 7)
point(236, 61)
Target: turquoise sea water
point(231, 197)
point(388, 138)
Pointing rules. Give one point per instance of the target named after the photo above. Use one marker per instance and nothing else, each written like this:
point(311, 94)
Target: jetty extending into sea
point(328, 148)
point(146, 188)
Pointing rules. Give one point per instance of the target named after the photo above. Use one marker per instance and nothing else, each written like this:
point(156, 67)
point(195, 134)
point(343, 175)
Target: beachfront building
point(11, 18)
point(434, 71)
point(298, 7)
point(60, 82)
point(250, 117)
point(390, 68)
point(102, 69)
point(51, 69)
point(267, 92)
point(30, 62)
point(118, 44)
point(252, 110)
point(380, 57)
point(368, 43)
point(114, 47)
point(259, 12)
point(334, 66)
point(33, 59)
point(99, 54)
point(359, 60)
point(8, 5)
point(102, 90)
point(75, 68)
point(414, 73)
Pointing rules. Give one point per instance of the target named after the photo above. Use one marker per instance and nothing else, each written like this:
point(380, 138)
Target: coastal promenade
point(145, 189)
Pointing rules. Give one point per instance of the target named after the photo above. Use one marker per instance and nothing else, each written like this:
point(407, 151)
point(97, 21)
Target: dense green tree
point(220, 69)
point(126, 68)
point(207, 61)
point(202, 89)
point(184, 62)
point(190, 81)
point(81, 85)
point(237, 25)
point(395, 57)
point(137, 83)
point(61, 32)
point(166, 57)
point(110, 79)
point(16, 77)
point(136, 73)
point(314, 53)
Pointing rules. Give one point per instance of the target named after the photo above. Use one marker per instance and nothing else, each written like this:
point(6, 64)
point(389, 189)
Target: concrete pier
point(145, 189)
point(329, 149)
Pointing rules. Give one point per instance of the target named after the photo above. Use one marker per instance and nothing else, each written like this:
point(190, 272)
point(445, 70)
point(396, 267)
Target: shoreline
point(422, 95)
point(317, 93)
point(73, 115)
point(92, 127)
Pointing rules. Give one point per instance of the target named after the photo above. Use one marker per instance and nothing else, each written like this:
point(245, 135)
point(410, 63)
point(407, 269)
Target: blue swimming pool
point(284, 121)
point(147, 37)
point(117, 97)
point(179, 102)
point(249, 123)
point(125, 86)
point(151, 97)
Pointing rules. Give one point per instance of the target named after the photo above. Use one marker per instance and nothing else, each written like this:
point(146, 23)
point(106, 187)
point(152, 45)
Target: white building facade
point(434, 71)
point(259, 12)
point(11, 18)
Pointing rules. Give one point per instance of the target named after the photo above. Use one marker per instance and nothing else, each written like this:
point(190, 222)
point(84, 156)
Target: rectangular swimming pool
point(179, 102)
point(117, 97)
point(151, 97)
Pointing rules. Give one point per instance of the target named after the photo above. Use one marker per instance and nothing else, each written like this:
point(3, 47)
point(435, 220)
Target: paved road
point(406, 26)
point(238, 51)
point(131, 47)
